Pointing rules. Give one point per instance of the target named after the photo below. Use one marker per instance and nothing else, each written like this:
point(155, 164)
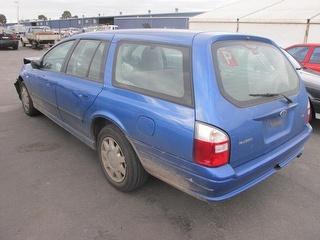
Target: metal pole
point(238, 23)
point(82, 20)
point(305, 40)
point(18, 10)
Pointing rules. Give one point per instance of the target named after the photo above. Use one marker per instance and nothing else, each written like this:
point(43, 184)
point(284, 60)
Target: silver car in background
point(311, 80)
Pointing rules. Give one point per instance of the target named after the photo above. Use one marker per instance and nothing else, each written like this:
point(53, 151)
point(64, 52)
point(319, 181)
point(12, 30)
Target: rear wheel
point(23, 43)
point(312, 112)
point(118, 160)
point(26, 100)
point(33, 44)
point(16, 46)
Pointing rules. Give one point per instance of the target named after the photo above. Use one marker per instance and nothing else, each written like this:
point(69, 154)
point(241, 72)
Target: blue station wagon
point(212, 114)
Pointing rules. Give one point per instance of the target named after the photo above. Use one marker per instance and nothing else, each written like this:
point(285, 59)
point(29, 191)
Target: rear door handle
point(80, 95)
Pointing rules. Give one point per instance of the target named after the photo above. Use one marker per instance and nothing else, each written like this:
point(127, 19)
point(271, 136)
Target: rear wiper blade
point(271, 95)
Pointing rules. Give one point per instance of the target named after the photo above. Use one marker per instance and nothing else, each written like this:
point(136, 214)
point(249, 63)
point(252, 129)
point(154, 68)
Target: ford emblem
point(283, 113)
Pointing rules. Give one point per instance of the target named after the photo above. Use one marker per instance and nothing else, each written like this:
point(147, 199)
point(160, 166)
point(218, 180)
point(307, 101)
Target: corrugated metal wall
point(66, 23)
point(152, 22)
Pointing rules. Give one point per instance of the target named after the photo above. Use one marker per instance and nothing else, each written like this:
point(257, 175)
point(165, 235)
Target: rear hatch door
point(260, 104)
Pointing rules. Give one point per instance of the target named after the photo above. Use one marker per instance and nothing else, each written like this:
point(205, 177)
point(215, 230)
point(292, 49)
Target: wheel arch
point(17, 85)
point(101, 120)
point(313, 112)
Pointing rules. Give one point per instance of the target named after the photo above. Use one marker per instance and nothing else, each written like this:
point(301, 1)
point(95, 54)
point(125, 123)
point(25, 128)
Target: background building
point(285, 21)
point(163, 20)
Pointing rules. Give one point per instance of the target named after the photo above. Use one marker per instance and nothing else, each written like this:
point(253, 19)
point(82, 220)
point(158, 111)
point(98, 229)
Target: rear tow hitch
point(277, 167)
point(281, 165)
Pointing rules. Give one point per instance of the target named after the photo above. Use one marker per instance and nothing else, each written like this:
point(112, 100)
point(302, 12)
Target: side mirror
point(36, 64)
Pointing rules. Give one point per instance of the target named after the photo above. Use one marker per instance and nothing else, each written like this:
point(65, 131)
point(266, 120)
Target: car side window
point(55, 58)
point(97, 64)
point(157, 70)
point(81, 58)
point(315, 57)
point(299, 53)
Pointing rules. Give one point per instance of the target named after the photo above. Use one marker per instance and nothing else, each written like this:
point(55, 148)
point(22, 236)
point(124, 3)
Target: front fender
point(17, 86)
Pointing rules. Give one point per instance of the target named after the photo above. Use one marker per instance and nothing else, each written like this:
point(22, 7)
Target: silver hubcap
point(25, 99)
point(113, 159)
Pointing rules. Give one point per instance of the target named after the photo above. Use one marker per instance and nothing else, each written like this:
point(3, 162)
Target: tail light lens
point(211, 146)
point(13, 36)
point(308, 113)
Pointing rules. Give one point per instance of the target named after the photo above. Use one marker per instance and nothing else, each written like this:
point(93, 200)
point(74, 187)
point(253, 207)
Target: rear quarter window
point(315, 57)
point(157, 70)
point(245, 68)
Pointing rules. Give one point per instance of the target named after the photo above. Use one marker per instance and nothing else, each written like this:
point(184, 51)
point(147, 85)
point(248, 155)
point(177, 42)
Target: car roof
point(305, 45)
point(177, 36)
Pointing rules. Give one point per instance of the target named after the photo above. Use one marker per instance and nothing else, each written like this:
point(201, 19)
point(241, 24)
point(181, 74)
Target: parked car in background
point(39, 37)
point(311, 81)
point(308, 55)
point(100, 28)
point(8, 39)
point(212, 114)
point(68, 32)
point(18, 29)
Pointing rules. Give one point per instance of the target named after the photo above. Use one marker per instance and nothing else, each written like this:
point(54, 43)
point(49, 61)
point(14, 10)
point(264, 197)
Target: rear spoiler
point(27, 60)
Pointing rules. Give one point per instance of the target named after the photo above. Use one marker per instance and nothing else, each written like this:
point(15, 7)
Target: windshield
point(246, 69)
point(39, 30)
point(6, 31)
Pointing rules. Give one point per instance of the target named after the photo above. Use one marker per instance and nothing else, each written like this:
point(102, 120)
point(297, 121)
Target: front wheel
point(26, 100)
point(118, 160)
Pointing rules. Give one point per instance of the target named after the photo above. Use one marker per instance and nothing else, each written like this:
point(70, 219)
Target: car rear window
point(299, 53)
point(6, 31)
point(315, 57)
point(246, 68)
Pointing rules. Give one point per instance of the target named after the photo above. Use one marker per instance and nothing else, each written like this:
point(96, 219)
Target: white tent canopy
point(285, 21)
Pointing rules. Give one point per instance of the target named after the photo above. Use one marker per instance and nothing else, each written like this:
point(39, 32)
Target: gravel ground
point(51, 187)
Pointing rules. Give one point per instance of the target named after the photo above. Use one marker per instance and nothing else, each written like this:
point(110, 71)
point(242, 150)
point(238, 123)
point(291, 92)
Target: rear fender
point(109, 117)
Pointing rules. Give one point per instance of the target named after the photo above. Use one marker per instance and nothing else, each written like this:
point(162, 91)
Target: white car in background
point(311, 80)
point(101, 28)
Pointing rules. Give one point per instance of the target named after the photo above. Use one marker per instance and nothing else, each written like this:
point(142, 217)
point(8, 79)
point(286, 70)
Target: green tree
point(3, 19)
point(42, 17)
point(66, 14)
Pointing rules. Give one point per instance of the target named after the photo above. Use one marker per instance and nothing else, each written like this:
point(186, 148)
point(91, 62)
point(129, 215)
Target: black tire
point(30, 110)
point(135, 175)
point(312, 113)
point(16, 46)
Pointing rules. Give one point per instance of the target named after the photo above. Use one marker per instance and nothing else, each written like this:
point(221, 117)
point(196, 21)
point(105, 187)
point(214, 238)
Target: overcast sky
point(30, 9)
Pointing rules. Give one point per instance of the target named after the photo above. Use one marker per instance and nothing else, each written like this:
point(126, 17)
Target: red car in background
point(308, 55)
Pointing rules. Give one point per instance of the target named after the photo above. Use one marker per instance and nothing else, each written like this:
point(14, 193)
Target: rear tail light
point(308, 113)
point(211, 146)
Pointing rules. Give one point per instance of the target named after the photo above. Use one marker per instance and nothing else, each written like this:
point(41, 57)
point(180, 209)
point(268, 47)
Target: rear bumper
point(44, 42)
point(316, 105)
point(217, 184)
point(8, 43)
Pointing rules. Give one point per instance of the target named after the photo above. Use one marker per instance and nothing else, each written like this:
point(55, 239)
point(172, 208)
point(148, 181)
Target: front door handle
point(47, 83)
